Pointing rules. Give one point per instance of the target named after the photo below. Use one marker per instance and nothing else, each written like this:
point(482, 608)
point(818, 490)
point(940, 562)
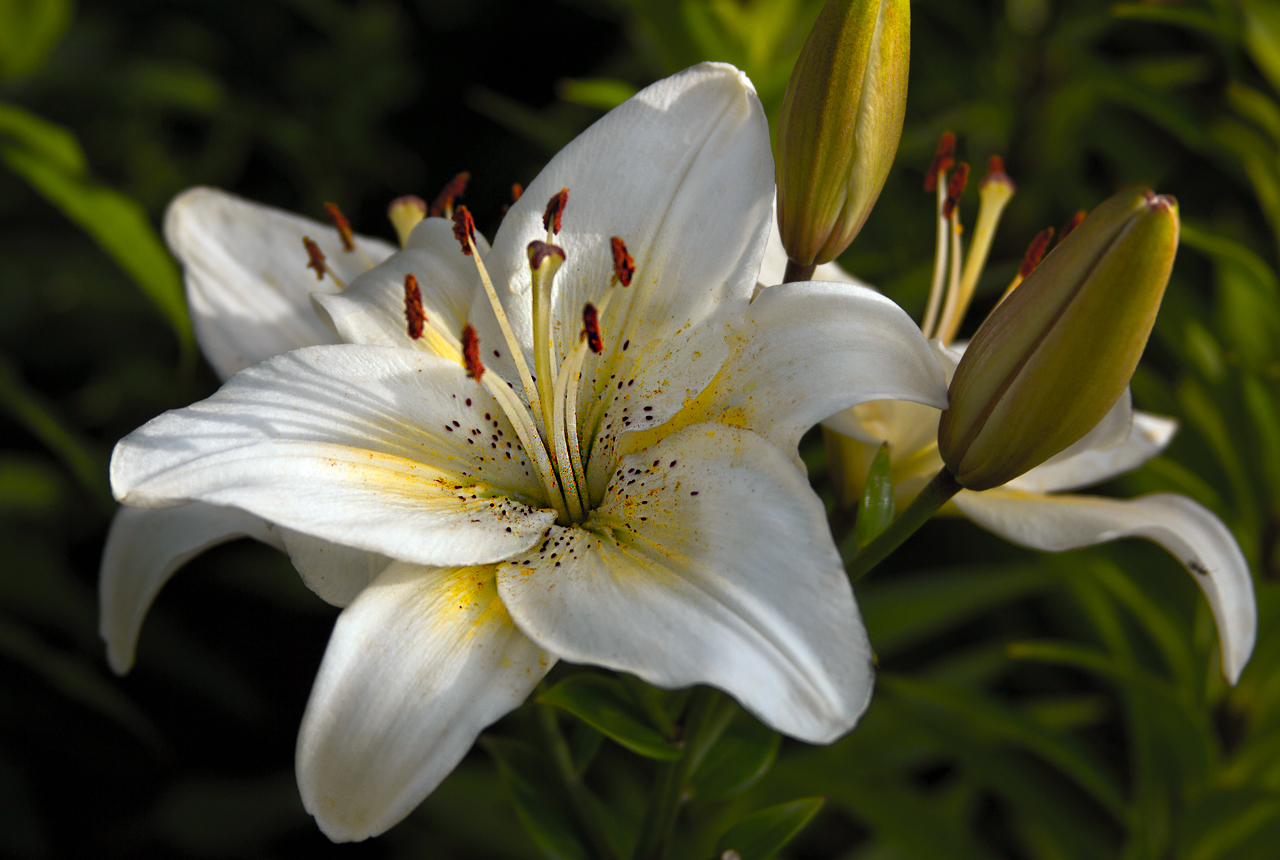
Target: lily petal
point(709, 562)
point(683, 174)
point(1188, 530)
point(1090, 462)
point(387, 450)
point(336, 573)
point(248, 285)
point(808, 351)
point(371, 310)
point(144, 549)
point(419, 664)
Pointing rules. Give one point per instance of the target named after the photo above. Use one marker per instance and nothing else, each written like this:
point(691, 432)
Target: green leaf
point(49, 159)
point(905, 610)
point(601, 93)
point(29, 30)
point(741, 757)
point(27, 486)
point(1255, 106)
point(1262, 37)
point(604, 704)
point(763, 834)
point(875, 511)
point(546, 821)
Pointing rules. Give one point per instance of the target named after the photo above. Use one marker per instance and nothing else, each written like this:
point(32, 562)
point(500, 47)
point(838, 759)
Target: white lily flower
point(1034, 511)
point(594, 462)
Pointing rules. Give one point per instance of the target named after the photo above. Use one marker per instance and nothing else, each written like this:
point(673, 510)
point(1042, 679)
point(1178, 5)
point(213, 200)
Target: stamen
point(342, 224)
point(565, 423)
point(943, 158)
point(316, 257)
point(555, 211)
point(442, 206)
point(405, 213)
point(464, 228)
point(951, 210)
point(1071, 225)
point(591, 329)
point(544, 260)
point(516, 190)
point(471, 353)
point(996, 190)
point(1035, 253)
point(413, 313)
point(955, 187)
point(624, 268)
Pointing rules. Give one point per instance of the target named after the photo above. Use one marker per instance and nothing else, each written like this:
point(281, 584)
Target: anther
point(955, 187)
point(342, 224)
point(405, 213)
point(1035, 252)
point(1071, 225)
point(413, 313)
point(464, 229)
point(471, 353)
point(555, 211)
point(943, 158)
point(516, 190)
point(624, 268)
point(591, 328)
point(316, 256)
point(442, 206)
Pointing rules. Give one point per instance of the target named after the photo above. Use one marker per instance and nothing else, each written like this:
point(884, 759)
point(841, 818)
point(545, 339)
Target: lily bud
point(1056, 355)
point(841, 121)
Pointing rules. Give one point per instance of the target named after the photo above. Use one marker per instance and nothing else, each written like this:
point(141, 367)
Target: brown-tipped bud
point(624, 268)
point(1071, 225)
point(315, 257)
point(1035, 252)
point(464, 229)
point(955, 187)
point(442, 206)
point(1055, 356)
point(471, 353)
point(404, 213)
point(555, 211)
point(591, 328)
point(840, 124)
point(943, 158)
point(342, 225)
point(414, 315)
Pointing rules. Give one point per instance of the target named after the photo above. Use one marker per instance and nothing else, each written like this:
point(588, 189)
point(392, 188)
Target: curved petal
point(417, 667)
point(709, 562)
point(248, 285)
point(1089, 462)
point(336, 573)
point(1188, 530)
point(144, 548)
point(387, 450)
point(810, 350)
point(682, 172)
point(371, 310)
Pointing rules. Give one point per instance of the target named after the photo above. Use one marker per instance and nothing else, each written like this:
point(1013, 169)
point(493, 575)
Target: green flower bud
point(1057, 354)
point(841, 121)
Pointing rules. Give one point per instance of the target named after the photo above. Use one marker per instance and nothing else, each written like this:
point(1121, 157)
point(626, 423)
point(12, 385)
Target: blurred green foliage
point(1029, 706)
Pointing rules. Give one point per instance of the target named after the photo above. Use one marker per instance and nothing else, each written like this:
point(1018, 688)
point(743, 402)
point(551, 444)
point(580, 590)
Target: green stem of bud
point(796, 272)
point(931, 499)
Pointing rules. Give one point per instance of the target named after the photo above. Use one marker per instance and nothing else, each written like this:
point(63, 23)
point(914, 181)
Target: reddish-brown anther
point(555, 211)
point(413, 313)
point(452, 190)
point(1071, 225)
point(591, 328)
point(624, 268)
point(943, 158)
point(955, 187)
point(1035, 252)
point(317, 257)
point(344, 226)
point(464, 229)
point(516, 190)
point(471, 353)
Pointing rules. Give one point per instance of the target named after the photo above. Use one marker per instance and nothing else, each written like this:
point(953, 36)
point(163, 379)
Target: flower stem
point(572, 779)
point(935, 494)
point(700, 731)
point(796, 272)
